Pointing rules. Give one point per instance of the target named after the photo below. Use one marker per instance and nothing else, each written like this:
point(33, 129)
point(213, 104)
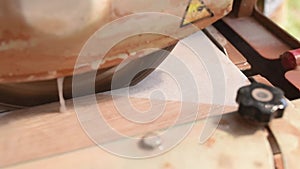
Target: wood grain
point(42, 131)
point(257, 37)
point(261, 79)
point(293, 76)
point(235, 144)
point(287, 133)
point(235, 56)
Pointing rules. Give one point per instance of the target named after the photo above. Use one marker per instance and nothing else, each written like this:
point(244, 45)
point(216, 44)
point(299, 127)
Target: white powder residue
point(60, 82)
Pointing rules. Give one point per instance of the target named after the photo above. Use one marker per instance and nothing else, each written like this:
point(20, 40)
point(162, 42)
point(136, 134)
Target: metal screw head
point(151, 141)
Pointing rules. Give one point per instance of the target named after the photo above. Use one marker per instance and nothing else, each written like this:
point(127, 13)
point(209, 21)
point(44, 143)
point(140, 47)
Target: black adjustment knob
point(261, 103)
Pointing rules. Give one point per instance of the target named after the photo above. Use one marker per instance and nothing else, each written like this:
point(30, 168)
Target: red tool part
point(290, 59)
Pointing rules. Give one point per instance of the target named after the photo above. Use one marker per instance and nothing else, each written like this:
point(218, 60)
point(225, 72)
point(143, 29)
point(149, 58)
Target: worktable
point(41, 137)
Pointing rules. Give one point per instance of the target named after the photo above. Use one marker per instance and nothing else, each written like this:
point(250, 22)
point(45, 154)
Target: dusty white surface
point(170, 76)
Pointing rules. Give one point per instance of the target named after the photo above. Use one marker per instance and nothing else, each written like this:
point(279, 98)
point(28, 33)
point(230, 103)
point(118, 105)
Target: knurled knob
point(261, 103)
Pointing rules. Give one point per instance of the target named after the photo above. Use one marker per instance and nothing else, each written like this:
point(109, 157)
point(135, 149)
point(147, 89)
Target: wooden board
point(287, 133)
point(234, 145)
point(261, 79)
point(40, 132)
point(257, 36)
point(235, 56)
point(227, 148)
point(293, 76)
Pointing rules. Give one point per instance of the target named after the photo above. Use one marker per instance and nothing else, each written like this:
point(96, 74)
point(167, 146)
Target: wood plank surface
point(293, 76)
point(234, 145)
point(261, 79)
point(258, 37)
point(287, 133)
point(40, 132)
point(235, 56)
